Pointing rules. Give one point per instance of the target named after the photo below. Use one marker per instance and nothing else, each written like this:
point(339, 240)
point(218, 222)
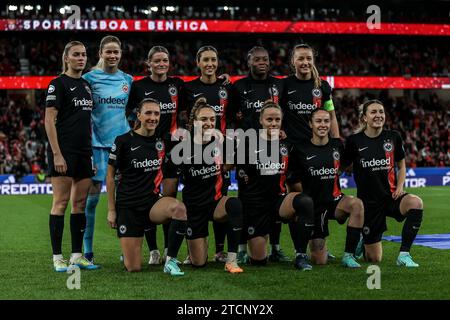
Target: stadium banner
point(228, 26)
point(336, 82)
point(415, 178)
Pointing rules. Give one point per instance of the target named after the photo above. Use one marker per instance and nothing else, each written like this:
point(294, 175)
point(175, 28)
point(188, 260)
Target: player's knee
point(258, 261)
point(60, 205)
point(414, 202)
point(373, 258)
point(131, 267)
point(304, 205)
point(178, 211)
point(319, 258)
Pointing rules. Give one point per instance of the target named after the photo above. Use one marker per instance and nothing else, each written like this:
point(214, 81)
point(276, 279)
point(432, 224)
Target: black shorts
point(323, 213)
point(79, 165)
point(375, 218)
point(260, 218)
point(198, 218)
point(133, 221)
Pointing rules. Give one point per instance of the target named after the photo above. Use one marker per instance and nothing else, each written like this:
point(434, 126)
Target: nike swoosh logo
point(135, 148)
point(291, 92)
point(180, 234)
point(71, 89)
point(416, 228)
point(309, 158)
point(247, 92)
point(237, 229)
point(197, 94)
point(258, 151)
point(148, 93)
point(361, 149)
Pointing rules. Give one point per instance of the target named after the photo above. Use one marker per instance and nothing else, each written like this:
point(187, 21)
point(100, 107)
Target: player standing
point(110, 90)
point(374, 154)
point(158, 85)
point(252, 91)
point(139, 157)
point(220, 97)
point(67, 123)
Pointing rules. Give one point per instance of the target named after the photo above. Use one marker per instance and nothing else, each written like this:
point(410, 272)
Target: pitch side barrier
point(415, 178)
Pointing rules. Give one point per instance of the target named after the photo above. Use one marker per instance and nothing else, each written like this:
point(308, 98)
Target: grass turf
point(27, 273)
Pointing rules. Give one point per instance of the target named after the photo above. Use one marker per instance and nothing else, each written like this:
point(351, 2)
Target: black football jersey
point(203, 178)
point(72, 98)
point(167, 93)
point(219, 96)
point(263, 175)
point(373, 162)
point(299, 99)
point(317, 167)
point(251, 95)
point(139, 162)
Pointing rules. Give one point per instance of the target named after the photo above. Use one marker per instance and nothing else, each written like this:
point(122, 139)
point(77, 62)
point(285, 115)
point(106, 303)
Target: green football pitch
point(26, 264)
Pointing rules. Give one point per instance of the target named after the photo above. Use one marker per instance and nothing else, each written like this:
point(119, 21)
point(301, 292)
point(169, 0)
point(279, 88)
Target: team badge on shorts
point(223, 93)
point(317, 93)
point(366, 230)
point(241, 173)
point(173, 91)
point(189, 231)
point(336, 155)
point(387, 146)
point(125, 88)
point(251, 230)
point(159, 146)
point(122, 229)
point(51, 89)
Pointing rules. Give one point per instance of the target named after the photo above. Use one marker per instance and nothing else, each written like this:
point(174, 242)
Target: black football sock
point(166, 228)
point(233, 207)
point(220, 232)
point(410, 228)
point(77, 226)
point(56, 225)
point(177, 232)
point(351, 242)
point(150, 237)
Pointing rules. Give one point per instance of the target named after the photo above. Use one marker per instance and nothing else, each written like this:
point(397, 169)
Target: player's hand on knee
point(397, 193)
point(112, 215)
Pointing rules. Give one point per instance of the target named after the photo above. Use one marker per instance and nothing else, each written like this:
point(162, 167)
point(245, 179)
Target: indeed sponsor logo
point(270, 166)
point(301, 106)
point(167, 106)
point(375, 163)
point(82, 103)
point(217, 109)
point(204, 170)
point(146, 163)
point(255, 105)
point(323, 171)
point(111, 100)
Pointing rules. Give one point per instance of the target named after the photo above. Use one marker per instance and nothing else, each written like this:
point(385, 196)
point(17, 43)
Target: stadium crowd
point(336, 56)
point(304, 11)
point(423, 123)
